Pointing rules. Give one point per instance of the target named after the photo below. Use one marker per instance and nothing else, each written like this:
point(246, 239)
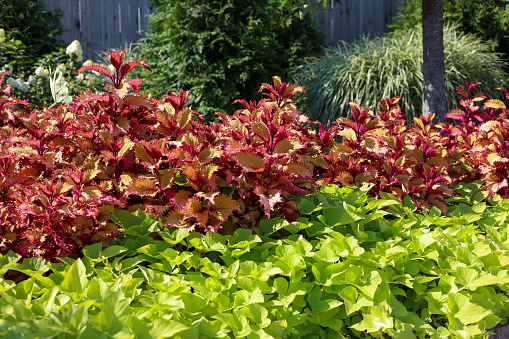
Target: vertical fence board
point(128, 22)
point(144, 10)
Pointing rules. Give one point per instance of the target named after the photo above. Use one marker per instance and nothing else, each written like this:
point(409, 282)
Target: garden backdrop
point(232, 175)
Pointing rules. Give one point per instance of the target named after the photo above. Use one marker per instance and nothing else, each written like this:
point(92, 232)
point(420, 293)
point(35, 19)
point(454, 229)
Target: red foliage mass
point(64, 170)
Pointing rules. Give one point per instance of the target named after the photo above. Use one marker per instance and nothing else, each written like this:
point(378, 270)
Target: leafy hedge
point(352, 266)
point(35, 28)
point(222, 50)
point(64, 170)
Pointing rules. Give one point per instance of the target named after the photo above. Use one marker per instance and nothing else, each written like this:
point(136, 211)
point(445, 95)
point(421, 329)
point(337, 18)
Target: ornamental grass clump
point(368, 70)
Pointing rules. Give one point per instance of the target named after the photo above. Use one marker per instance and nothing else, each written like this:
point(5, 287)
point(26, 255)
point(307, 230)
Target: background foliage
point(488, 19)
point(36, 28)
point(222, 50)
point(369, 70)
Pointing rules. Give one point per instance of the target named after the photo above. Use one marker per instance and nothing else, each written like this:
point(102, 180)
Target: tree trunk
point(433, 69)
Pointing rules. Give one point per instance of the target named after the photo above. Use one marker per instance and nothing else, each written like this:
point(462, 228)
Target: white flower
point(75, 48)
point(41, 72)
point(13, 82)
point(80, 77)
point(62, 68)
point(23, 86)
point(18, 83)
point(32, 79)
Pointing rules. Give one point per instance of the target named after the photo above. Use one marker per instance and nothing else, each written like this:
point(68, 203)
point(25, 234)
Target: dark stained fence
point(103, 25)
point(352, 19)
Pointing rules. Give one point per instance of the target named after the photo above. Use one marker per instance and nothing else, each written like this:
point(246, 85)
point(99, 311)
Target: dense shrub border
point(352, 266)
point(64, 170)
point(222, 50)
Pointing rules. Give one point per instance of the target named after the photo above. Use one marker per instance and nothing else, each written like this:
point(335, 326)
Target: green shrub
point(222, 50)
point(37, 29)
point(392, 66)
point(488, 19)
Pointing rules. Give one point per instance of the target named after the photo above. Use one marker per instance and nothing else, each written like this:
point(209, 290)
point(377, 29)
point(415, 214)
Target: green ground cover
point(351, 267)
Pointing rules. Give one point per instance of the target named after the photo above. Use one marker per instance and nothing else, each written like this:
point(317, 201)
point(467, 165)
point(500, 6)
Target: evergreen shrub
point(222, 50)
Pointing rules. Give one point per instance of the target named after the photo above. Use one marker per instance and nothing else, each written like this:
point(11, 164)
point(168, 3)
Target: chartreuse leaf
point(75, 280)
point(174, 236)
point(93, 252)
point(112, 251)
point(319, 305)
point(162, 328)
point(270, 226)
point(465, 311)
point(127, 219)
point(242, 241)
point(210, 242)
point(236, 321)
point(113, 315)
point(307, 206)
point(7, 261)
point(339, 215)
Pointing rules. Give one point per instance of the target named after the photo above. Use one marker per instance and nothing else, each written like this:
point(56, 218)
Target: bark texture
point(433, 69)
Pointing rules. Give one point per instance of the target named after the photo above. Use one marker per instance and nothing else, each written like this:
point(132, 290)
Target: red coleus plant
point(271, 148)
point(64, 170)
point(400, 160)
point(121, 70)
point(480, 139)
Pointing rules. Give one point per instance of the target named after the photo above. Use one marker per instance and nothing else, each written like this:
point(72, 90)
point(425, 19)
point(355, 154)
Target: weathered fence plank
point(102, 25)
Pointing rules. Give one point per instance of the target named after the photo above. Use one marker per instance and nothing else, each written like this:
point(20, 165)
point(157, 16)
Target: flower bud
point(112, 69)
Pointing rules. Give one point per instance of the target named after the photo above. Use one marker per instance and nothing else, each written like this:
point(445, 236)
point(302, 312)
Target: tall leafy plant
point(222, 50)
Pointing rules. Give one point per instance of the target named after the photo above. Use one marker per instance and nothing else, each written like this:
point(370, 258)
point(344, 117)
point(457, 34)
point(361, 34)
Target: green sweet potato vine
point(352, 267)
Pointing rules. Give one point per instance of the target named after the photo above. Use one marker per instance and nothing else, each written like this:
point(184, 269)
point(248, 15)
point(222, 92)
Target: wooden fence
point(352, 19)
point(102, 25)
